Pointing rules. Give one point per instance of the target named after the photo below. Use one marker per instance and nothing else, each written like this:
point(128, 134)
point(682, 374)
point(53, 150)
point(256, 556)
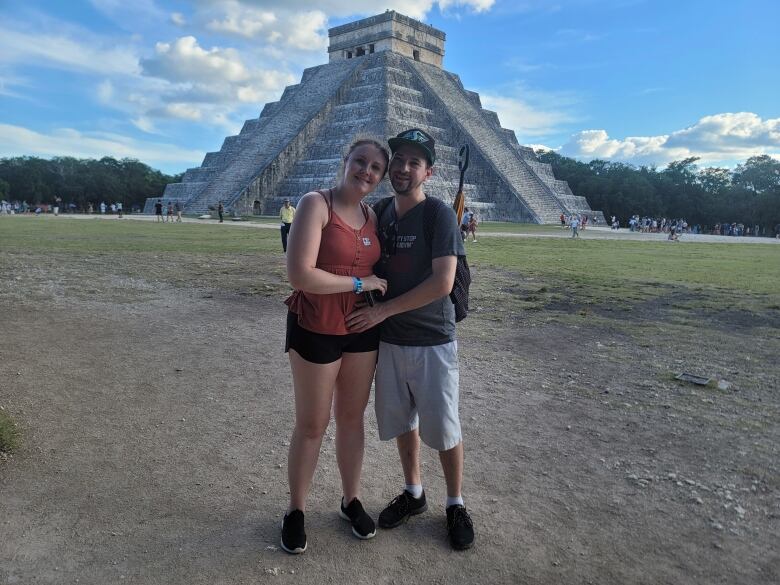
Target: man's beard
point(410, 186)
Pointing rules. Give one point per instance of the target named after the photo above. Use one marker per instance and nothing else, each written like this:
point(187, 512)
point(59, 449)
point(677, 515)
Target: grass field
point(621, 265)
point(540, 277)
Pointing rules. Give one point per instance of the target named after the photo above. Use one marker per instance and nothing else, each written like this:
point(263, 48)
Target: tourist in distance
point(333, 247)
point(169, 213)
point(574, 224)
point(472, 226)
point(464, 223)
point(177, 209)
point(286, 214)
point(221, 212)
point(417, 371)
point(158, 210)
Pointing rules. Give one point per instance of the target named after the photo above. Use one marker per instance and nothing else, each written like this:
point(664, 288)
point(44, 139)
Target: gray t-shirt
point(407, 263)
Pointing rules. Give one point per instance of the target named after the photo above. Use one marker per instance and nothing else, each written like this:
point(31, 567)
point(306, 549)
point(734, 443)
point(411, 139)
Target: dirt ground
point(156, 414)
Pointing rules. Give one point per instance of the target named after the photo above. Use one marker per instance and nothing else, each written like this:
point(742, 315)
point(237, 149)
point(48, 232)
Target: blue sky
point(164, 81)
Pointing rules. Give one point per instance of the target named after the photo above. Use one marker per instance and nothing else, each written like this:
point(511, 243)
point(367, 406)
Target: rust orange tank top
point(344, 251)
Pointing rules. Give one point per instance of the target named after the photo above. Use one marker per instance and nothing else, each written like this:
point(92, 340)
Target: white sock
point(414, 489)
point(452, 501)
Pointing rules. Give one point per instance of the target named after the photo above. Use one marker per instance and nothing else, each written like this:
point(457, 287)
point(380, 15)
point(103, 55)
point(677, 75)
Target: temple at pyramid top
point(390, 31)
point(384, 75)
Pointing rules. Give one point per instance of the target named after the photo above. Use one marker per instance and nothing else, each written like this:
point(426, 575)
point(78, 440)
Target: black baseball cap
point(415, 137)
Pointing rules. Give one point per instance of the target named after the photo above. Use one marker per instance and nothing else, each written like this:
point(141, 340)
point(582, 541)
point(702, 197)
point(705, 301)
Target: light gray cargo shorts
point(418, 386)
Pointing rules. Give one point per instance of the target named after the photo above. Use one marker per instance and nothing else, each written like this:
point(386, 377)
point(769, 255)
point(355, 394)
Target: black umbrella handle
point(463, 163)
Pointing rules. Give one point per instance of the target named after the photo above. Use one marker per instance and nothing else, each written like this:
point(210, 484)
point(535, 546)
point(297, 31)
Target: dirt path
point(156, 422)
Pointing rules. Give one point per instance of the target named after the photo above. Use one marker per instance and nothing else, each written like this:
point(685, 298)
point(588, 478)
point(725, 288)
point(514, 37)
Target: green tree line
point(748, 194)
point(80, 181)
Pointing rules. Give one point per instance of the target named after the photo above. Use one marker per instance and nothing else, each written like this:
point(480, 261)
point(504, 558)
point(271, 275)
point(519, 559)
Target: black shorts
point(320, 348)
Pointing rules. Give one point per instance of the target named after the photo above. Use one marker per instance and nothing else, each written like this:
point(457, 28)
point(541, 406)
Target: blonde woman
point(331, 251)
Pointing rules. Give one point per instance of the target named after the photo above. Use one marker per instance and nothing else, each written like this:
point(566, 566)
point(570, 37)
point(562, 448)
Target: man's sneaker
point(459, 527)
point(362, 525)
point(293, 534)
point(401, 508)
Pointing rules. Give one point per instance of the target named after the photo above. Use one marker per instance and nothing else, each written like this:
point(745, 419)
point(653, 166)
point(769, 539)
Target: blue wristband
point(357, 285)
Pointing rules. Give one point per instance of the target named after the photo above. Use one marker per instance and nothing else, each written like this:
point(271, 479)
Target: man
point(286, 214)
point(574, 224)
point(221, 212)
point(57, 201)
point(158, 210)
point(417, 370)
point(464, 223)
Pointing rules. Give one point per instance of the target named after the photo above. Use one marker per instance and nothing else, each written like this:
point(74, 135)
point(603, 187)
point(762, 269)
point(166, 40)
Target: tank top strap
point(364, 207)
point(329, 202)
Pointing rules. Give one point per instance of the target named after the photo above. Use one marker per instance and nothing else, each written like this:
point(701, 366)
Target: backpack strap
point(431, 209)
point(380, 206)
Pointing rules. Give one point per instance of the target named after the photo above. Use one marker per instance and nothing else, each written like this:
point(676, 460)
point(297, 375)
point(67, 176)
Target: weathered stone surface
point(297, 143)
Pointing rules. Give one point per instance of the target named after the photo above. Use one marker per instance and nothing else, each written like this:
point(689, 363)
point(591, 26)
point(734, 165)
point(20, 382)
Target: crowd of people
point(678, 226)
point(55, 208)
point(172, 211)
point(576, 222)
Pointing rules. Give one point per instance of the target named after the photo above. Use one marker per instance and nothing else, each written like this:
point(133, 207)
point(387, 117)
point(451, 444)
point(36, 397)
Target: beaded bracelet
point(357, 285)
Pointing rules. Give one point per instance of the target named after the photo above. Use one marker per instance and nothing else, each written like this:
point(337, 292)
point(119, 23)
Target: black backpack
point(459, 295)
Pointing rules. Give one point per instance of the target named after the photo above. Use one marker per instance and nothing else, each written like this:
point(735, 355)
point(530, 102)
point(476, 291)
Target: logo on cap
point(415, 135)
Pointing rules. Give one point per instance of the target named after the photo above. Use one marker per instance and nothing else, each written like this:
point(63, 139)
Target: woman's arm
point(303, 247)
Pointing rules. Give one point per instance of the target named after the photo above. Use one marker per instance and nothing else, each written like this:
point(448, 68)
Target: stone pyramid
point(384, 75)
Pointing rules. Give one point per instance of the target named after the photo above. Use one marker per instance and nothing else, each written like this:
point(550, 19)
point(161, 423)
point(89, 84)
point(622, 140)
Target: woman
point(472, 227)
point(331, 251)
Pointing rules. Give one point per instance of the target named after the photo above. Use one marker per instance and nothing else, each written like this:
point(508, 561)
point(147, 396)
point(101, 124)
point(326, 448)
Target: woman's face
point(364, 168)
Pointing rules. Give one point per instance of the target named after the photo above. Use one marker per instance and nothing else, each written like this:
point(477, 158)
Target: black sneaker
point(459, 527)
point(362, 525)
point(293, 534)
point(401, 508)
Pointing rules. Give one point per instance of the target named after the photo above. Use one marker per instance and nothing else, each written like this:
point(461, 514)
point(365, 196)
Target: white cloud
point(287, 11)
point(185, 61)
point(717, 138)
point(476, 5)
point(185, 111)
point(530, 113)
point(88, 54)
point(135, 15)
point(178, 19)
point(70, 142)
point(305, 35)
point(524, 118)
point(9, 81)
point(144, 124)
point(205, 85)
point(243, 21)
point(105, 91)
point(304, 29)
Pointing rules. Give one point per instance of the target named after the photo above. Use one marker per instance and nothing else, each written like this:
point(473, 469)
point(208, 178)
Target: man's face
point(409, 169)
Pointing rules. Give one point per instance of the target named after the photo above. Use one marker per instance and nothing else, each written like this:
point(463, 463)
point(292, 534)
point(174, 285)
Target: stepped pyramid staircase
point(297, 144)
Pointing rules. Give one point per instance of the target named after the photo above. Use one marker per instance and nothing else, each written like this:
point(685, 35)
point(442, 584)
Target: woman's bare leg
point(353, 386)
point(314, 385)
